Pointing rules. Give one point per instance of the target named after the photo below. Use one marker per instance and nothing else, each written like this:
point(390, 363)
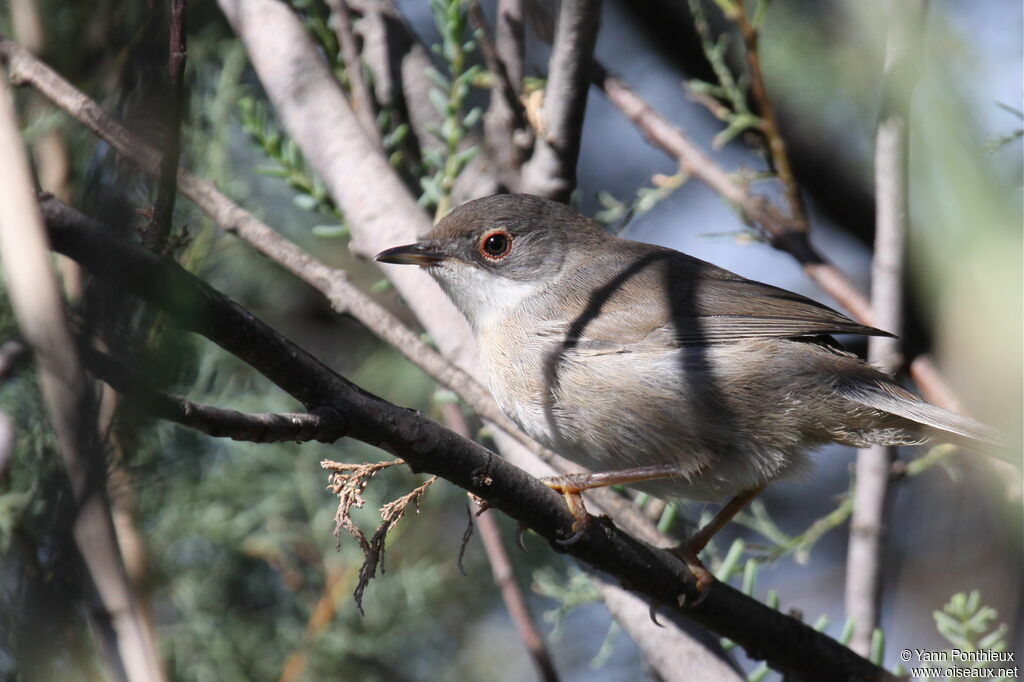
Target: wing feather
point(664, 299)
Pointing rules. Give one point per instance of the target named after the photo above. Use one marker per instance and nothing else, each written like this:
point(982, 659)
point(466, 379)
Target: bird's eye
point(496, 245)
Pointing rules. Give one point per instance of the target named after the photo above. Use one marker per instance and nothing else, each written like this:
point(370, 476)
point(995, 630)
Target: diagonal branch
point(551, 171)
point(426, 446)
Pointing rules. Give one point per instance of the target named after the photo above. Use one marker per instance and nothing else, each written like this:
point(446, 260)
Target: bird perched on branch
point(655, 369)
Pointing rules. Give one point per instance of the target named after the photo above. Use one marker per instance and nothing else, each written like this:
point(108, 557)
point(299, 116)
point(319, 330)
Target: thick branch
point(787, 644)
point(39, 309)
point(551, 171)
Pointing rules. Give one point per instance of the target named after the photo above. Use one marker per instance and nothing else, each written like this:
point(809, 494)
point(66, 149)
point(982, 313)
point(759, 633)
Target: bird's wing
point(703, 304)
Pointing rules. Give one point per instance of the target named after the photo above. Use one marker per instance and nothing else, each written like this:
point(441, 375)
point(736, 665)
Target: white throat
point(482, 297)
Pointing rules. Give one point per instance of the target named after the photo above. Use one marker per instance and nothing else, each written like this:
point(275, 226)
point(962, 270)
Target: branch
point(504, 573)
point(505, 130)
point(323, 425)
point(865, 557)
point(400, 65)
point(39, 310)
point(163, 209)
point(769, 123)
point(551, 171)
point(362, 99)
point(784, 642)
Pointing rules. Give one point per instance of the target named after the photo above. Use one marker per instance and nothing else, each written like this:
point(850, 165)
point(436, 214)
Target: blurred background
point(232, 542)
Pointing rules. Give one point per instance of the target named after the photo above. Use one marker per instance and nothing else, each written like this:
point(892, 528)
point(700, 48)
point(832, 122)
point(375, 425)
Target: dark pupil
point(496, 244)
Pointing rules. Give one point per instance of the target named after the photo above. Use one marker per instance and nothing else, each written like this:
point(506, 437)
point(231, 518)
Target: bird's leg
point(571, 486)
point(689, 550)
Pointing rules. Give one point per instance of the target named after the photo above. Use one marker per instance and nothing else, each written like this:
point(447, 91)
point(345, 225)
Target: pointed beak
point(411, 254)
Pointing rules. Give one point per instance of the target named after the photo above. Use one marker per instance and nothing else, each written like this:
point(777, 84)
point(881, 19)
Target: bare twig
point(362, 98)
point(865, 559)
point(769, 123)
point(428, 447)
point(167, 186)
point(38, 307)
point(504, 573)
point(323, 425)
point(551, 171)
point(505, 129)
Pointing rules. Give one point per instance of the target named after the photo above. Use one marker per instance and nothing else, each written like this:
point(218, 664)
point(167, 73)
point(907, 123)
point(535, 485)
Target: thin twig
point(39, 310)
point(551, 171)
point(428, 447)
point(160, 226)
point(769, 122)
point(865, 557)
point(503, 571)
point(362, 99)
point(324, 425)
point(505, 129)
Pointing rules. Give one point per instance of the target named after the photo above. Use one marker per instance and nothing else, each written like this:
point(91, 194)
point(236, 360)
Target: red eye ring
point(495, 245)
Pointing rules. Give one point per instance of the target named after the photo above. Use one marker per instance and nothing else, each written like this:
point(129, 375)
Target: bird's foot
point(688, 552)
point(571, 487)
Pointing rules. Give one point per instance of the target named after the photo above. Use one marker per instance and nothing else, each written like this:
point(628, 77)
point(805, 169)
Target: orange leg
point(571, 486)
point(689, 550)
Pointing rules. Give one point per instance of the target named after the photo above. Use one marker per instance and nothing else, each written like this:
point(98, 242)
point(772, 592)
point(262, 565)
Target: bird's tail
point(931, 422)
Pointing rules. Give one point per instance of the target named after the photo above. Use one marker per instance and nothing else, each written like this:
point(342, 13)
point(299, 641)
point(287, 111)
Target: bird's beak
point(411, 254)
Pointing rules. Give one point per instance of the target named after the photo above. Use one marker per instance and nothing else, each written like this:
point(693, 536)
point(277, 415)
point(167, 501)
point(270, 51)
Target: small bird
point(655, 369)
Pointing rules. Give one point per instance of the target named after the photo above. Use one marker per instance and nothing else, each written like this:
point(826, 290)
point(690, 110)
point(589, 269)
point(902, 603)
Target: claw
point(687, 552)
point(520, 530)
point(572, 539)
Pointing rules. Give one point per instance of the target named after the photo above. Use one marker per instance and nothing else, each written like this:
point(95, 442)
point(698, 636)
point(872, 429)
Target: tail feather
point(943, 424)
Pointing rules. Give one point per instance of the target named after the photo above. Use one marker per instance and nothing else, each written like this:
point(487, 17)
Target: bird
point(655, 369)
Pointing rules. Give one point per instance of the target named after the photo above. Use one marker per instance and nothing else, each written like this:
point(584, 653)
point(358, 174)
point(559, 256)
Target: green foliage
point(288, 164)
point(569, 590)
point(969, 625)
point(726, 99)
point(449, 95)
point(620, 212)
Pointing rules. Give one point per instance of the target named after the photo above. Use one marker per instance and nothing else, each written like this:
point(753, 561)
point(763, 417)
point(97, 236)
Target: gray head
point(492, 253)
